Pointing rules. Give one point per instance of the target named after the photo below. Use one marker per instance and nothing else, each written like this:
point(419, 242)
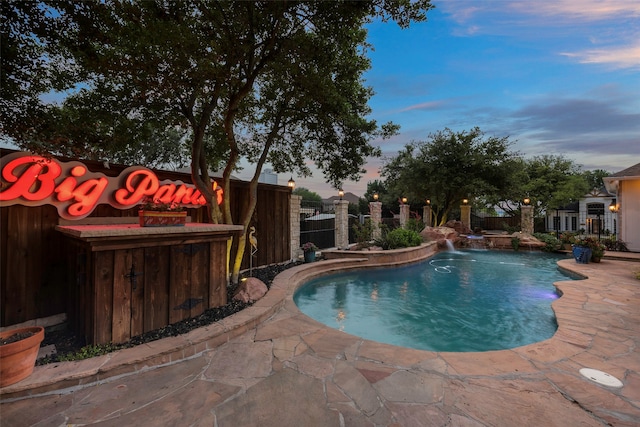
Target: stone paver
point(291, 371)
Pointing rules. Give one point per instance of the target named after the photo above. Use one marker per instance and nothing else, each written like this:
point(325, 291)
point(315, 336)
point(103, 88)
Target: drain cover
point(601, 377)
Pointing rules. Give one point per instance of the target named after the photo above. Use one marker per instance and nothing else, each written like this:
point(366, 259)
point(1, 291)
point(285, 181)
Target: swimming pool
point(455, 301)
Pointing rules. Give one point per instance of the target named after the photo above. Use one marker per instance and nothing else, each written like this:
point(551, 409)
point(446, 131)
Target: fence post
point(427, 214)
point(404, 214)
point(375, 209)
point(465, 215)
point(526, 219)
point(294, 225)
point(342, 224)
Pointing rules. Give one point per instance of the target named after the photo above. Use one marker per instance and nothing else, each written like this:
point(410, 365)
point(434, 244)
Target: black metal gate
point(317, 226)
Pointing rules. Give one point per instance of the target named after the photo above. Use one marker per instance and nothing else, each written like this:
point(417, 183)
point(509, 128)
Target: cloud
point(425, 106)
point(622, 57)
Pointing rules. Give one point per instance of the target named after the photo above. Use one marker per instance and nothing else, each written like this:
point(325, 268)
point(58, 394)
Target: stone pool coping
point(61, 375)
point(595, 330)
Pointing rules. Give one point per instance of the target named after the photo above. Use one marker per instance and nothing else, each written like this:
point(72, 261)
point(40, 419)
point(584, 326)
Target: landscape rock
point(250, 290)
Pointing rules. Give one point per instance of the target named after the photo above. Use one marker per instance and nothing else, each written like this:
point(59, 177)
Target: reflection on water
point(467, 301)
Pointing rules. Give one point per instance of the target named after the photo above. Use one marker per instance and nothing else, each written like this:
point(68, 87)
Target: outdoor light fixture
point(291, 183)
point(375, 197)
point(613, 207)
point(341, 193)
point(465, 201)
point(428, 202)
point(404, 200)
point(527, 200)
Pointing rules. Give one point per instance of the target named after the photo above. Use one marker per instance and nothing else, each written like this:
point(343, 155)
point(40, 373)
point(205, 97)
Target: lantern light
point(527, 200)
point(465, 201)
point(404, 200)
point(291, 183)
point(375, 197)
point(428, 202)
point(341, 193)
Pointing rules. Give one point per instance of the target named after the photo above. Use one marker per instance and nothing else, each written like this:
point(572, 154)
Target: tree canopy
point(269, 81)
point(449, 167)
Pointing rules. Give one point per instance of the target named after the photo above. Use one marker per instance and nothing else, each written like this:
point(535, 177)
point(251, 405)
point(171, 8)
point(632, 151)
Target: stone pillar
point(427, 216)
point(526, 219)
point(465, 215)
point(375, 209)
point(342, 224)
point(404, 214)
point(294, 226)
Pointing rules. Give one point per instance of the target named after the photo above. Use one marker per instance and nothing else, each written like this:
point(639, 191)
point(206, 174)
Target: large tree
point(450, 167)
point(270, 81)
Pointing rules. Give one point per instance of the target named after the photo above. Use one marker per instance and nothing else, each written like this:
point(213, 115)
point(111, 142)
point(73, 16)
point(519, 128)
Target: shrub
point(613, 244)
point(400, 238)
point(551, 242)
point(363, 233)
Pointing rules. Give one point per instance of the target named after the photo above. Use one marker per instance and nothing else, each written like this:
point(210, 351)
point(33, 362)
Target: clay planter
point(18, 358)
point(162, 218)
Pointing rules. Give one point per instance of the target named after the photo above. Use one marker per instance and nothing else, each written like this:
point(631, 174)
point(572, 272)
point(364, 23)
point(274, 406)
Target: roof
point(350, 197)
point(612, 182)
point(633, 171)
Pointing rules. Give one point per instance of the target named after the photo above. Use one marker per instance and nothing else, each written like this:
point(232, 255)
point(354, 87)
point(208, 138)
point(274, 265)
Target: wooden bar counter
point(130, 279)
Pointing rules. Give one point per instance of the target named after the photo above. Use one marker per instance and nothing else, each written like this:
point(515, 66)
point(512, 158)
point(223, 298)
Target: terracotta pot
point(17, 359)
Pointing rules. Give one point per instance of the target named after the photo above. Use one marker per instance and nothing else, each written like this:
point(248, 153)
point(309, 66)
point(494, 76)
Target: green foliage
point(363, 233)
point(552, 244)
point(515, 243)
point(307, 195)
point(414, 224)
point(85, 352)
point(399, 238)
point(613, 244)
point(450, 167)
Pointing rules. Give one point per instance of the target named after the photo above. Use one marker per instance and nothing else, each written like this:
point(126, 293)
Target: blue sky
point(558, 77)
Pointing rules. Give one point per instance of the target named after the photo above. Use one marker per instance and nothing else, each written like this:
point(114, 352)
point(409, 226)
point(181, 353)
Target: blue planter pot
point(309, 256)
point(581, 254)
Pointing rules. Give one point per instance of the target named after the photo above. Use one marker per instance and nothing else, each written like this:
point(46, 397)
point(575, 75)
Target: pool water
point(456, 301)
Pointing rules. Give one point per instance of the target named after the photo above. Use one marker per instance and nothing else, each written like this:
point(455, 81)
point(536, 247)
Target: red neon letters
point(34, 180)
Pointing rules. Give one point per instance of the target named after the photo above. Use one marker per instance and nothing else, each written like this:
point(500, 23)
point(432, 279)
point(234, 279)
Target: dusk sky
point(558, 77)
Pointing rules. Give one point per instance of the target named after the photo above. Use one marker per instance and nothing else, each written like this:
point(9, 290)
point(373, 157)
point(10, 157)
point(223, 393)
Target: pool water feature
point(459, 301)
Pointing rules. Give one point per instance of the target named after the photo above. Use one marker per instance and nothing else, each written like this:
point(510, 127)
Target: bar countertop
point(131, 230)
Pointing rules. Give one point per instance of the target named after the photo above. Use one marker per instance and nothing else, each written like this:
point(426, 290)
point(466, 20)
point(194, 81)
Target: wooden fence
point(34, 273)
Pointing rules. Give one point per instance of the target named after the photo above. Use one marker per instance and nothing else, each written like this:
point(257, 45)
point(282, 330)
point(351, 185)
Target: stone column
point(427, 216)
point(294, 226)
point(404, 214)
point(342, 224)
point(375, 209)
point(526, 219)
point(465, 215)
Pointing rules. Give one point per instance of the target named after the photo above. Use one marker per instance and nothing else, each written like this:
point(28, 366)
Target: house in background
point(625, 186)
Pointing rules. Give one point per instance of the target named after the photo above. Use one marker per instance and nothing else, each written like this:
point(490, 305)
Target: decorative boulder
point(430, 234)
point(459, 227)
point(250, 290)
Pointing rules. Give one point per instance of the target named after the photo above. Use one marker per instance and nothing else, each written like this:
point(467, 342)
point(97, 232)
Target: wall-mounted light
point(613, 207)
point(527, 200)
point(341, 193)
point(465, 201)
point(375, 197)
point(404, 200)
point(291, 183)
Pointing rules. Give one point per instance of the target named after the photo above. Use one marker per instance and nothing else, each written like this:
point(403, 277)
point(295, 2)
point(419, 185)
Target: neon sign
point(75, 191)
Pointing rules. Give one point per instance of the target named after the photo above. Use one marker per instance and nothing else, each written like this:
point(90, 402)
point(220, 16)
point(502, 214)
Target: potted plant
point(587, 249)
point(567, 239)
point(154, 213)
point(309, 250)
point(18, 353)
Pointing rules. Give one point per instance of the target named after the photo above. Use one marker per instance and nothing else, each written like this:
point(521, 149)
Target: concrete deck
point(272, 366)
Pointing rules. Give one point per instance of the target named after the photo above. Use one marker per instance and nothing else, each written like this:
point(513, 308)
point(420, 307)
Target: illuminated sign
point(75, 191)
